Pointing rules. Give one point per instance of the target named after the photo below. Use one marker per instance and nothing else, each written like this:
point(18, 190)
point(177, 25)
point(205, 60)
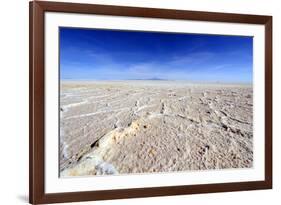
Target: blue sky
point(92, 54)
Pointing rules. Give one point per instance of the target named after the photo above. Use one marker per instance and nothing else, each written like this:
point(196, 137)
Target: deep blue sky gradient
point(91, 54)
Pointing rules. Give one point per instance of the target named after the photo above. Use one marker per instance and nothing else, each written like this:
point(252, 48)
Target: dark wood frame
point(36, 101)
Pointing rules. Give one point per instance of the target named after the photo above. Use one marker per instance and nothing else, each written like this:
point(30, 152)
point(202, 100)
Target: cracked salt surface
point(142, 127)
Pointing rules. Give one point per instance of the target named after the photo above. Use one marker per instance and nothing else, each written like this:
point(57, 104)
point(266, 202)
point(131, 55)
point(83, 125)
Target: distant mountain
point(149, 79)
point(156, 79)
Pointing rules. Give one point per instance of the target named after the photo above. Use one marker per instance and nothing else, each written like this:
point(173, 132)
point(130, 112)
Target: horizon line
point(159, 80)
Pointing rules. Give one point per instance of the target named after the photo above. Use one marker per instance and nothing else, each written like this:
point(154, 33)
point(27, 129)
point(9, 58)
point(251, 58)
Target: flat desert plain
point(135, 126)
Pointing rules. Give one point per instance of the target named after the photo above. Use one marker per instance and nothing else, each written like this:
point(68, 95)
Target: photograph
point(140, 102)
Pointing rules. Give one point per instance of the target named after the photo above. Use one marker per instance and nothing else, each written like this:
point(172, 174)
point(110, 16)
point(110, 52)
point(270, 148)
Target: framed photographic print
point(139, 102)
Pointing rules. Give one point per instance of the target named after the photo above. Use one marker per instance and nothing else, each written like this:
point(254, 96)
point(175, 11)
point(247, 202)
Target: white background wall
point(14, 100)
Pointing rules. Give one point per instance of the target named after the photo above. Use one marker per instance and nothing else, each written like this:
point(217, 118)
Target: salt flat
point(121, 127)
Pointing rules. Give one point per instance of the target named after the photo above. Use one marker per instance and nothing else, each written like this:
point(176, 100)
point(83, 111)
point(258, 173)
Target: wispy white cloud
point(181, 67)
